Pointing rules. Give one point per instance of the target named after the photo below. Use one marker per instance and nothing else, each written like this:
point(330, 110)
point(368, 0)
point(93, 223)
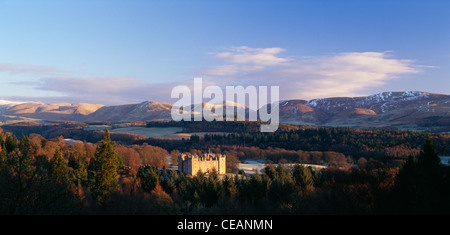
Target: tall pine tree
point(58, 167)
point(429, 157)
point(106, 164)
point(420, 185)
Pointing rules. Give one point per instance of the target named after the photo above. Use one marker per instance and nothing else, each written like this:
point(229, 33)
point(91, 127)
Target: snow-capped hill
point(378, 110)
point(387, 101)
point(231, 103)
point(380, 102)
point(238, 108)
point(9, 103)
point(147, 110)
point(396, 96)
point(211, 106)
point(55, 111)
point(405, 110)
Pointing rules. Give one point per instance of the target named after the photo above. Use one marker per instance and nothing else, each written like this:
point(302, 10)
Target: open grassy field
point(97, 127)
point(148, 132)
point(152, 132)
point(139, 130)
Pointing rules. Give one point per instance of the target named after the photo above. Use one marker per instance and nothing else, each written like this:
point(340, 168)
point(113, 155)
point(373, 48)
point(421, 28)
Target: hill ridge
point(391, 109)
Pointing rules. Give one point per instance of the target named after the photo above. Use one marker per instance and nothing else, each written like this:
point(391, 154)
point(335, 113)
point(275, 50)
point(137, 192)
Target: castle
point(191, 164)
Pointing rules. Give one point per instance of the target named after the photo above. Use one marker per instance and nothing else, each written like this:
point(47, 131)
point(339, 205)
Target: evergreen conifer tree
point(58, 167)
point(303, 176)
point(420, 183)
point(106, 165)
point(429, 157)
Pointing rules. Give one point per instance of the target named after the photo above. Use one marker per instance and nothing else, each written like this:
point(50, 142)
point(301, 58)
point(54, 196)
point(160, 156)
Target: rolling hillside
point(409, 110)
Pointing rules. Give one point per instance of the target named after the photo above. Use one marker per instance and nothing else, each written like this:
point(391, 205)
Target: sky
point(120, 52)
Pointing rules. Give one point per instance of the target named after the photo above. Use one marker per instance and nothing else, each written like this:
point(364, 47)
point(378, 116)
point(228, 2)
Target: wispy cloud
point(342, 74)
point(245, 59)
point(49, 85)
point(56, 85)
point(89, 85)
point(107, 90)
point(32, 69)
point(256, 56)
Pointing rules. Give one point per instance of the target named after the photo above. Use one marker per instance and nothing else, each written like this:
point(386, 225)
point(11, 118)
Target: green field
point(148, 132)
point(151, 132)
point(97, 127)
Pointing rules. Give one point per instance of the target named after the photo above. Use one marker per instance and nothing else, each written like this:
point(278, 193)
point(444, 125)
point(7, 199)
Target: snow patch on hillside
point(7, 102)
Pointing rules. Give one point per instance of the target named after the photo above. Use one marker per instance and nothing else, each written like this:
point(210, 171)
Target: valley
point(320, 148)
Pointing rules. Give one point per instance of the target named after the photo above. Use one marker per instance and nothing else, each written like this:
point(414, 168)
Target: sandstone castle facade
point(191, 164)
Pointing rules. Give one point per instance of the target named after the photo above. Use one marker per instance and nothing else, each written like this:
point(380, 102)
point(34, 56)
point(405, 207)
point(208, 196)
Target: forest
point(41, 175)
point(289, 143)
point(306, 144)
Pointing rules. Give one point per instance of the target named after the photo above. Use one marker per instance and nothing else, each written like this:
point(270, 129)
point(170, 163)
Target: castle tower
point(222, 164)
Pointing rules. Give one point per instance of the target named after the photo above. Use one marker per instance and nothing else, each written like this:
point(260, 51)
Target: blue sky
point(117, 52)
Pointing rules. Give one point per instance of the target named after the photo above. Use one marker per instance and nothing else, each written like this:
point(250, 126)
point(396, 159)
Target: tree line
point(340, 139)
point(213, 126)
point(72, 130)
point(389, 146)
point(420, 186)
point(48, 176)
point(36, 180)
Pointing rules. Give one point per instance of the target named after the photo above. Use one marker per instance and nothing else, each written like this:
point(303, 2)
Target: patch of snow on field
point(249, 166)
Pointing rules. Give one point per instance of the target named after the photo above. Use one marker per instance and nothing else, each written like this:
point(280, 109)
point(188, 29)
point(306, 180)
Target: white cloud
point(343, 74)
point(256, 56)
point(232, 70)
point(246, 59)
point(224, 70)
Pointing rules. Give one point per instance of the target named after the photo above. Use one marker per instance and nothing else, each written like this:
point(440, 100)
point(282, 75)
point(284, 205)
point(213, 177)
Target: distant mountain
point(145, 111)
point(8, 102)
point(151, 110)
point(411, 110)
point(54, 111)
point(238, 108)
